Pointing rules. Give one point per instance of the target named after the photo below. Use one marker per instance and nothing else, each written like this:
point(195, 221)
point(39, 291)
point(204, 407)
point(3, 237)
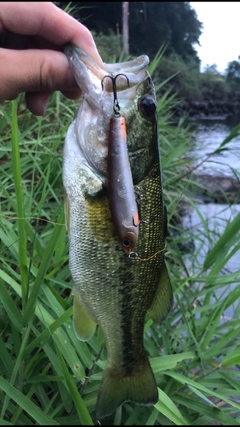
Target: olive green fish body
point(111, 289)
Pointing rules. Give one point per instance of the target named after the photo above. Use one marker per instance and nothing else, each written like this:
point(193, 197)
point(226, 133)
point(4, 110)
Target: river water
point(209, 134)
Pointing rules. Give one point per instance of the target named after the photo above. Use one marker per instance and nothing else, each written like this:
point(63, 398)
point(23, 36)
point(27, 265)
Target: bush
point(185, 77)
point(213, 86)
point(109, 46)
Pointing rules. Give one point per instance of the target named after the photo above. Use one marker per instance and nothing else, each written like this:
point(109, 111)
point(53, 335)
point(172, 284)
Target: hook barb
point(116, 106)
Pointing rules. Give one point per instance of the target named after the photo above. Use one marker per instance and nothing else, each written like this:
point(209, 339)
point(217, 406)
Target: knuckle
point(46, 74)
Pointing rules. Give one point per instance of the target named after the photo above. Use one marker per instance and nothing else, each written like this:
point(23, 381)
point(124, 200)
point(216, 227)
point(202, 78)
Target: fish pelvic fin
point(67, 213)
point(84, 324)
point(162, 301)
point(116, 388)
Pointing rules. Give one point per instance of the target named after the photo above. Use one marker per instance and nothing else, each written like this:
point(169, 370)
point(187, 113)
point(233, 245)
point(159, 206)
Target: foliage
point(233, 70)
point(107, 44)
point(233, 75)
point(150, 25)
point(190, 85)
point(47, 375)
point(212, 86)
point(184, 76)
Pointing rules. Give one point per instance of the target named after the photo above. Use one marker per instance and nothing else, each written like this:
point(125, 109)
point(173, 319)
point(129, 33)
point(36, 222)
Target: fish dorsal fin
point(162, 301)
point(84, 324)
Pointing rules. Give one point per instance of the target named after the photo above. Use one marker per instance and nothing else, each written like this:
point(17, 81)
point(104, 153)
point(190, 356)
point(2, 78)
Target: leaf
point(228, 238)
point(11, 309)
point(187, 381)
point(81, 408)
point(26, 404)
point(166, 406)
point(162, 363)
point(61, 340)
point(197, 407)
point(232, 359)
point(233, 134)
point(42, 269)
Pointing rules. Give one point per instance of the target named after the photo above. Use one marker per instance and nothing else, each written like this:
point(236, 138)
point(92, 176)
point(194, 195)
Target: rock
point(217, 189)
point(208, 108)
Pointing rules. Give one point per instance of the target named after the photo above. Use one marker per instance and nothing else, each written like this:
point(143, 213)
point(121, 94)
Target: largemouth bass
point(112, 288)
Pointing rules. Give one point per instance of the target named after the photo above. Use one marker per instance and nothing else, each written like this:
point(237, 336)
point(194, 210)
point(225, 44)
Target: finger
point(37, 102)
point(34, 70)
point(74, 95)
point(48, 21)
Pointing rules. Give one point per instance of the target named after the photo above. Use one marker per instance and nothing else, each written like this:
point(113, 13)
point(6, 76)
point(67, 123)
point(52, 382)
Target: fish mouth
point(90, 131)
point(89, 75)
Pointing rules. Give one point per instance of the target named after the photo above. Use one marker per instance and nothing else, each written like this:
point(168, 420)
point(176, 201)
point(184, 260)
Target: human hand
point(32, 59)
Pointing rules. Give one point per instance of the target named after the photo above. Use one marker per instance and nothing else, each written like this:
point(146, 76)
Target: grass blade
point(20, 211)
point(26, 404)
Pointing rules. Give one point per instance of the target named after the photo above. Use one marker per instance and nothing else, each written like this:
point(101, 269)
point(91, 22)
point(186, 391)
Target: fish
point(114, 288)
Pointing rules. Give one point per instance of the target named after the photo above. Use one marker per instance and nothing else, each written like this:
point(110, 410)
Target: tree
point(233, 75)
point(155, 23)
point(125, 30)
point(212, 69)
point(151, 24)
point(233, 70)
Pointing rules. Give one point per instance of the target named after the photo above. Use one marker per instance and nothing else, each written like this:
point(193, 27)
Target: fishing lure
point(122, 198)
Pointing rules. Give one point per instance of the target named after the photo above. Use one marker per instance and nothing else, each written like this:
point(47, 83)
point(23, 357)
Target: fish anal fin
point(162, 301)
point(116, 388)
point(84, 324)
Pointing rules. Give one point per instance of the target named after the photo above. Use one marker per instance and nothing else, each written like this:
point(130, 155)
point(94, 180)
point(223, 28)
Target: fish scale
point(111, 289)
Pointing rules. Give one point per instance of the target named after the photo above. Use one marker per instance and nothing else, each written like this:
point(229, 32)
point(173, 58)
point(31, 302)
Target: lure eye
point(126, 243)
point(147, 106)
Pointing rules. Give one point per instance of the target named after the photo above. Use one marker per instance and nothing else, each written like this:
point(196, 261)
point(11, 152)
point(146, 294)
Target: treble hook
point(116, 106)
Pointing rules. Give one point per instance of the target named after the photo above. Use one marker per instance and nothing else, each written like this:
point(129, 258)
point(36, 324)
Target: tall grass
point(47, 376)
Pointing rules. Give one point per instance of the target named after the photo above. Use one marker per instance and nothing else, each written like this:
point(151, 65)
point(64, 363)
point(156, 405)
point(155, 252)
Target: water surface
point(209, 134)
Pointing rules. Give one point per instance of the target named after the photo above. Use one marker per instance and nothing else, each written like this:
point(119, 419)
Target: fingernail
point(44, 101)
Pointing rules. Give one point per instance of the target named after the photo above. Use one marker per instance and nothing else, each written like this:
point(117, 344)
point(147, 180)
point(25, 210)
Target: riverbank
point(208, 108)
point(217, 189)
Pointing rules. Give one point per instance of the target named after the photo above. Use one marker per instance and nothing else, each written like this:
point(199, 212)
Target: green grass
point(47, 376)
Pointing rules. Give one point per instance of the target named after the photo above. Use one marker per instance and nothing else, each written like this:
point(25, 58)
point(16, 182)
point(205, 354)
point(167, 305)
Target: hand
point(32, 59)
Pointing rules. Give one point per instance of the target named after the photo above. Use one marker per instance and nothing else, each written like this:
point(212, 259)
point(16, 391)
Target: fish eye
point(147, 106)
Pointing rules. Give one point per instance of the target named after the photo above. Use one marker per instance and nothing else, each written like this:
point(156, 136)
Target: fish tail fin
point(140, 387)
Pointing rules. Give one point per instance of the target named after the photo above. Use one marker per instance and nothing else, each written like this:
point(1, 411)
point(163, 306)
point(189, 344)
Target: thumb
point(34, 70)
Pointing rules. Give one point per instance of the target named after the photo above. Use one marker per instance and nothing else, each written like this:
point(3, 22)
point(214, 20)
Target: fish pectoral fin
point(84, 324)
point(116, 388)
point(162, 301)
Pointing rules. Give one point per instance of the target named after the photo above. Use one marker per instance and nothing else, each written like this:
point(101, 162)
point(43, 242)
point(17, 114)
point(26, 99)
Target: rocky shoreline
point(208, 108)
point(217, 189)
